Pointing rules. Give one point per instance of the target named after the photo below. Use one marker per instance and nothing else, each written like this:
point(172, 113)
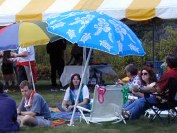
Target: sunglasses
point(144, 73)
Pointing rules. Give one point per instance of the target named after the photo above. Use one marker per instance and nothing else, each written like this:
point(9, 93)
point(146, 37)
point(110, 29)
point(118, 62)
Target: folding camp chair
point(106, 105)
point(169, 107)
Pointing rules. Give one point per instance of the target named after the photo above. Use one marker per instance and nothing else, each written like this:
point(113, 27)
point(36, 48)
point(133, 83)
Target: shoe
point(62, 89)
point(126, 115)
point(6, 90)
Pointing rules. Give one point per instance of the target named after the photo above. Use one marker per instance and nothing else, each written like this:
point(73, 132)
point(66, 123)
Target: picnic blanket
point(60, 118)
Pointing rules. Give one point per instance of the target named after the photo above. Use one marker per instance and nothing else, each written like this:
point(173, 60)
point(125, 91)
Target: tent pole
point(153, 40)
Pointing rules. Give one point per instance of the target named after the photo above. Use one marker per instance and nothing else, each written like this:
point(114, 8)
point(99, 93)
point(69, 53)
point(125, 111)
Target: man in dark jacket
point(56, 53)
point(8, 113)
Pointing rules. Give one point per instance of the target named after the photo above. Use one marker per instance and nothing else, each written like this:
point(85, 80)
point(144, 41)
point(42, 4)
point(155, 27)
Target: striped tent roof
point(12, 11)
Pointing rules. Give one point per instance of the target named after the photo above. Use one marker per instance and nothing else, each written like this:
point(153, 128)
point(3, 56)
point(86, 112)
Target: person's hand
point(152, 84)
point(12, 59)
point(18, 112)
point(14, 54)
point(119, 81)
point(70, 107)
point(135, 88)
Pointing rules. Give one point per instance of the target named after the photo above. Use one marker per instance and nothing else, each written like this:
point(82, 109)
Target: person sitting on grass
point(71, 94)
point(33, 109)
point(8, 113)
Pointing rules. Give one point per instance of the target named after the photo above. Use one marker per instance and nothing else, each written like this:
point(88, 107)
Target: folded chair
point(106, 105)
point(166, 107)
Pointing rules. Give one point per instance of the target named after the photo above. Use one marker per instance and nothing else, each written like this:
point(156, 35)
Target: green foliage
point(41, 55)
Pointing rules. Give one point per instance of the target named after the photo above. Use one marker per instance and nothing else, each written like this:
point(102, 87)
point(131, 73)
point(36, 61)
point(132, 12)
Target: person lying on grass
point(33, 109)
point(71, 94)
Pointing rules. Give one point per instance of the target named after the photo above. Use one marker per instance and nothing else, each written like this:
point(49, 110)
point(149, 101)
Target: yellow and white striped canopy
point(12, 11)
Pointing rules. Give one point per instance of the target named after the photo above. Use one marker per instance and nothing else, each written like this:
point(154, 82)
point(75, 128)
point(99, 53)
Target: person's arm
point(23, 54)
point(21, 110)
point(119, 81)
point(66, 99)
point(85, 101)
point(23, 113)
point(85, 92)
point(63, 45)
point(64, 103)
point(145, 89)
point(139, 94)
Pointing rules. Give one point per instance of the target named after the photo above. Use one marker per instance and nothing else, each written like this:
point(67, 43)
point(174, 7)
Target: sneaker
point(53, 90)
point(6, 90)
point(126, 115)
point(62, 89)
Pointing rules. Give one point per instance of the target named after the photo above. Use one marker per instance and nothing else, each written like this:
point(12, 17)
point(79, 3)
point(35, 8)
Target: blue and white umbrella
point(96, 31)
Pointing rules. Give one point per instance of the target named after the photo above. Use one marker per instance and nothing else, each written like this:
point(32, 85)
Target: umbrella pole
point(84, 62)
point(31, 74)
point(77, 98)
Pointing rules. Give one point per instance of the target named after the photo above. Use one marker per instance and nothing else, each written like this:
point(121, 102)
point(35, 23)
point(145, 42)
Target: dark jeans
point(56, 70)
point(21, 74)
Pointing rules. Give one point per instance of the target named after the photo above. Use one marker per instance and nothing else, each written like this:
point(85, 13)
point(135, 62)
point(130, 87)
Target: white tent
point(12, 11)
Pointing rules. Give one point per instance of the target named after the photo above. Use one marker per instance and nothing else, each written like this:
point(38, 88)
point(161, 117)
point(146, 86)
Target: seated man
point(8, 113)
point(139, 106)
point(33, 109)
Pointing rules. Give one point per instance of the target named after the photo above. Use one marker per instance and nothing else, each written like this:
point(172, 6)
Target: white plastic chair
point(106, 105)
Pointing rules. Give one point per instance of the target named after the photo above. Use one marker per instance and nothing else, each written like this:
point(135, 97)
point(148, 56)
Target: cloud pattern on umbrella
point(96, 30)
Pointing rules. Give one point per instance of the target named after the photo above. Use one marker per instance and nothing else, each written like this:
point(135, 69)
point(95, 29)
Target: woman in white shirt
point(71, 94)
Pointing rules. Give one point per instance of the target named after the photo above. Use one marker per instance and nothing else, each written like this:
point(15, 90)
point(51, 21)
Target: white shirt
point(85, 93)
point(31, 54)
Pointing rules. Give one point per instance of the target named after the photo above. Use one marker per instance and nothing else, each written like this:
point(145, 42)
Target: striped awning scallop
point(12, 11)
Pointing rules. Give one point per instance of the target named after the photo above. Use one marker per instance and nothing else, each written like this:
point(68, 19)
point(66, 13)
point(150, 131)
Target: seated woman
point(71, 94)
point(139, 106)
point(148, 77)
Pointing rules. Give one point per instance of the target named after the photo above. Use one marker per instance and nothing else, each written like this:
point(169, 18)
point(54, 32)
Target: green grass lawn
point(142, 125)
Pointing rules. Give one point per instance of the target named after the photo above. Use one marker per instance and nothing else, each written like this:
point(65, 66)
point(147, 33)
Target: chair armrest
point(83, 109)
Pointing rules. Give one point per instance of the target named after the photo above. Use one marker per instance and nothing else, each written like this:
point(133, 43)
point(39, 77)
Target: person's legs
point(60, 107)
point(27, 120)
point(53, 75)
point(5, 77)
point(127, 104)
point(41, 121)
point(28, 73)
point(60, 71)
point(21, 74)
point(140, 107)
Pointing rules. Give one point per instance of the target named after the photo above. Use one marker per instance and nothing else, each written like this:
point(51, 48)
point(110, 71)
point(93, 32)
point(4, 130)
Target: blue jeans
point(128, 103)
point(87, 106)
point(138, 107)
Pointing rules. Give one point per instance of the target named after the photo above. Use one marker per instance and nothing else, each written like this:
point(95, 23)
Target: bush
point(43, 72)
